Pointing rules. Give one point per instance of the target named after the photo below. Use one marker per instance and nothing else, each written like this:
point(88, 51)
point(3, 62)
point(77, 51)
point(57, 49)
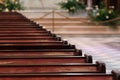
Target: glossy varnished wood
point(40, 68)
point(30, 59)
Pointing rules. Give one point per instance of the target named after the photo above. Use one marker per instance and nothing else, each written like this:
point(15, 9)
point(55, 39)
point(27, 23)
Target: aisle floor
point(105, 49)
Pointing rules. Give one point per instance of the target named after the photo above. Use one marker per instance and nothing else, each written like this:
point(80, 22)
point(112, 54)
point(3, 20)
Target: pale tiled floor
point(96, 47)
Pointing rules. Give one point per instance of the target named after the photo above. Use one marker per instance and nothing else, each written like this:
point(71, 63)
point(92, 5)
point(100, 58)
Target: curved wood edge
point(89, 58)
point(101, 67)
point(116, 75)
point(78, 52)
point(55, 74)
point(7, 64)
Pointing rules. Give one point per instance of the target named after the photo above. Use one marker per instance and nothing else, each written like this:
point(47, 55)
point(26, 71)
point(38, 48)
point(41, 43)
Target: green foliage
point(72, 5)
point(10, 5)
point(102, 14)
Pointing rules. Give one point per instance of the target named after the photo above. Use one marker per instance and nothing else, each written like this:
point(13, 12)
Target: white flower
point(73, 8)
point(16, 2)
point(6, 10)
point(13, 10)
point(112, 7)
point(67, 10)
point(110, 11)
point(65, 1)
point(97, 14)
point(6, 4)
point(96, 6)
point(77, 0)
point(107, 17)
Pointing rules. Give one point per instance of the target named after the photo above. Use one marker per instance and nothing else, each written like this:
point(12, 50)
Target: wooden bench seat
point(30, 52)
point(36, 53)
point(27, 22)
point(30, 42)
point(35, 28)
point(28, 38)
point(10, 14)
point(34, 46)
point(12, 17)
point(1, 32)
point(12, 20)
point(18, 29)
point(20, 22)
point(18, 33)
point(62, 67)
point(18, 26)
point(60, 76)
point(44, 59)
point(26, 34)
point(40, 52)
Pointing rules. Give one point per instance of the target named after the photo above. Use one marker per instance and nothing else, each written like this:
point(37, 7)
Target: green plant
point(101, 14)
point(72, 6)
point(10, 5)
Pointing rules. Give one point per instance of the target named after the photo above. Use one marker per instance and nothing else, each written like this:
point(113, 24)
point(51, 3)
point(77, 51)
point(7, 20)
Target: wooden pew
point(21, 25)
point(29, 34)
point(40, 52)
point(34, 46)
point(14, 33)
point(25, 32)
point(10, 14)
point(26, 35)
point(35, 31)
point(52, 68)
point(31, 60)
point(32, 37)
point(18, 26)
point(18, 29)
point(19, 21)
point(13, 20)
point(45, 59)
point(61, 76)
point(29, 38)
point(1, 32)
point(30, 42)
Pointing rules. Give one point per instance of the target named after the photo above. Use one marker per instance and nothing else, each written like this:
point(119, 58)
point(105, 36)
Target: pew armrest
point(101, 67)
point(116, 75)
point(89, 58)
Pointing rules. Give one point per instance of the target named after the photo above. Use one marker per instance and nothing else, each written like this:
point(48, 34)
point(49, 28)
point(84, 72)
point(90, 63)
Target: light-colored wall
point(40, 4)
